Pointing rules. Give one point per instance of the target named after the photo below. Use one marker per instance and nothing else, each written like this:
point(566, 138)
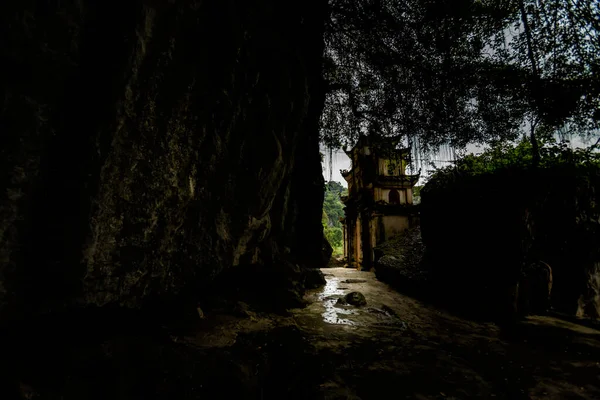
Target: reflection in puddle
point(329, 296)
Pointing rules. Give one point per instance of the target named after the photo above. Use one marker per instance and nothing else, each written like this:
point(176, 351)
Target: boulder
point(355, 299)
point(401, 261)
point(327, 251)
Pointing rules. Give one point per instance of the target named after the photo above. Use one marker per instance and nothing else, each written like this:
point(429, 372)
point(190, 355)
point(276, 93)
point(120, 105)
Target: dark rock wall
point(480, 231)
point(399, 262)
point(147, 146)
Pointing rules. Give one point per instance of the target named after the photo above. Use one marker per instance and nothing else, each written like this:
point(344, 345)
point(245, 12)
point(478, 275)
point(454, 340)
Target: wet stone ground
point(393, 347)
point(396, 347)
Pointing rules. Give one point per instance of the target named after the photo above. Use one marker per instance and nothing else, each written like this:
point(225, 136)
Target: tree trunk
point(535, 148)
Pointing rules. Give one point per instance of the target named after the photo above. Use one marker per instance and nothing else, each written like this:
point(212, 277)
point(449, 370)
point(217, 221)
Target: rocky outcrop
point(399, 262)
point(327, 252)
point(481, 231)
point(354, 299)
point(588, 303)
point(147, 146)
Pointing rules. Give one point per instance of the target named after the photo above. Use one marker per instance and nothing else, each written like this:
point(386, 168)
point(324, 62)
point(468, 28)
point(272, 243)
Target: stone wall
point(149, 145)
point(480, 231)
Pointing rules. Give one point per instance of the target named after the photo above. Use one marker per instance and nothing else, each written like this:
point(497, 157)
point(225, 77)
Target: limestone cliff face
point(147, 146)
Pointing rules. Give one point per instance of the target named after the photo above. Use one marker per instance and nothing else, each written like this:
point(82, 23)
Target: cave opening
point(166, 231)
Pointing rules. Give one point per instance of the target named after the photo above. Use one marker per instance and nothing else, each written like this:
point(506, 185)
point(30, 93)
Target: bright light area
point(341, 161)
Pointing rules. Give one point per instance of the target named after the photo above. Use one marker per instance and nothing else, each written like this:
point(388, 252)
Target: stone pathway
point(394, 347)
point(398, 347)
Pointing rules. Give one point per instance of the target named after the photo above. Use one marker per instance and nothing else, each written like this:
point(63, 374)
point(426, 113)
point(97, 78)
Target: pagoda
point(379, 204)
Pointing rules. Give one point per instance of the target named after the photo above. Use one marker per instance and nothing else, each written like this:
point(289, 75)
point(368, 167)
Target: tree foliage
point(559, 41)
point(460, 71)
point(504, 156)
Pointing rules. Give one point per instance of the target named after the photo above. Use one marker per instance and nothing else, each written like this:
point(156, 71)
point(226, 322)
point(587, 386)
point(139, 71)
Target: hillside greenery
point(333, 210)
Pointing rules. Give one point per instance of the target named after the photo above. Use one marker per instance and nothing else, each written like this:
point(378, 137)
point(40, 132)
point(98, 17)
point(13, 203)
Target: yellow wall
point(409, 194)
point(378, 194)
point(394, 224)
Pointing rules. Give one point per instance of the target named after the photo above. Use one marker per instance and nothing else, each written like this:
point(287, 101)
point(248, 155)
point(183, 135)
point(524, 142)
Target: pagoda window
point(394, 197)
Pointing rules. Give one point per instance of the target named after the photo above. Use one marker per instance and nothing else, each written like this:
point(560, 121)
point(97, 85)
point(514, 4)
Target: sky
point(341, 160)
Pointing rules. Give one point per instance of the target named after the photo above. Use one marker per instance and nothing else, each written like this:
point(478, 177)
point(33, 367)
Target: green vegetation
point(504, 156)
point(333, 210)
point(417, 194)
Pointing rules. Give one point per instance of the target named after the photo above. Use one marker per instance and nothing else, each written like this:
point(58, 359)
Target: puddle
point(329, 296)
point(395, 338)
point(326, 308)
